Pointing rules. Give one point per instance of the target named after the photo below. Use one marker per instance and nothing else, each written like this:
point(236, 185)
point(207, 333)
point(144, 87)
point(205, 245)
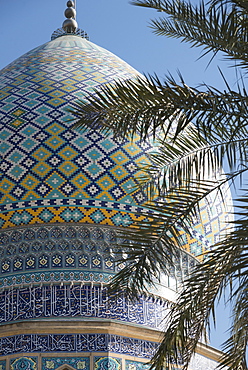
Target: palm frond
point(215, 28)
point(186, 322)
point(177, 162)
point(148, 107)
point(241, 4)
point(149, 245)
point(235, 346)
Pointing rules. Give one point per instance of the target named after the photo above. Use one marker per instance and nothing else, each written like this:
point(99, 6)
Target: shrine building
point(64, 193)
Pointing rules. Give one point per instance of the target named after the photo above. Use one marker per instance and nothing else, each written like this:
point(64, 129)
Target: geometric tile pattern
point(63, 214)
point(63, 277)
point(43, 158)
point(47, 170)
point(67, 253)
point(79, 302)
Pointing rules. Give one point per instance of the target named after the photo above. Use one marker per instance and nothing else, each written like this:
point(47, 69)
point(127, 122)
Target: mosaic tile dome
point(63, 193)
point(51, 173)
point(45, 163)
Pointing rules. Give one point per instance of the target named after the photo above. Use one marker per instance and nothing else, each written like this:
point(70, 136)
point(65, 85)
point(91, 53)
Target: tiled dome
point(63, 193)
point(51, 173)
point(46, 166)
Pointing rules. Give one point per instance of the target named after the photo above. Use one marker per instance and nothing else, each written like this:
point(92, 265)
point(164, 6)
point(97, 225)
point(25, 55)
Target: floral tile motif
point(107, 363)
point(23, 363)
point(77, 363)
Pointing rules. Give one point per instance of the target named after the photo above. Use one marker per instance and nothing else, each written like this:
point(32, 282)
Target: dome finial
point(70, 25)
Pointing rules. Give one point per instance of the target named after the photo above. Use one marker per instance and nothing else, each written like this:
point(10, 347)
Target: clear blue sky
point(113, 24)
point(119, 27)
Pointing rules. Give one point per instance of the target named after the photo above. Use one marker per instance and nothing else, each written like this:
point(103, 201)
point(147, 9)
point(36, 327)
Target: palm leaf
point(149, 245)
point(189, 316)
point(186, 158)
point(148, 106)
point(215, 28)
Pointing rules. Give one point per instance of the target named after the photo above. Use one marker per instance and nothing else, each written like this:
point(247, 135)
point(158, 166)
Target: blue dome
point(63, 194)
point(46, 165)
point(53, 174)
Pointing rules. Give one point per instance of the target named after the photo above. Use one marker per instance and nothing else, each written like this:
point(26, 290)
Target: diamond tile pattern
point(48, 172)
point(49, 160)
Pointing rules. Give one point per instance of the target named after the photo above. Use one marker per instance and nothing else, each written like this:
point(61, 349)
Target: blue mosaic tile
point(23, 363)
point(77, 363)
point(78, 301)
point(45, 159)
point(32, 343)
point(107, 363)
point(89, 247)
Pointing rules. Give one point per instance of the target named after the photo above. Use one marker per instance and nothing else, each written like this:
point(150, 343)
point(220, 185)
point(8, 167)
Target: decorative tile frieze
point(43, 343)
point(27, 254)
point(81, 302)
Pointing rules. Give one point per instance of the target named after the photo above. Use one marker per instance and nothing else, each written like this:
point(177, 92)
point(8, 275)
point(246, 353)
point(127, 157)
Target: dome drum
point(73, 263)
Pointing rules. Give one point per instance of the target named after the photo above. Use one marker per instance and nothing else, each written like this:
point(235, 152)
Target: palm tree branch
point(146, 106)
point(159, 236)
point(215, 28)
point(235, 346)
point(178, 162)
point(191, 313)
